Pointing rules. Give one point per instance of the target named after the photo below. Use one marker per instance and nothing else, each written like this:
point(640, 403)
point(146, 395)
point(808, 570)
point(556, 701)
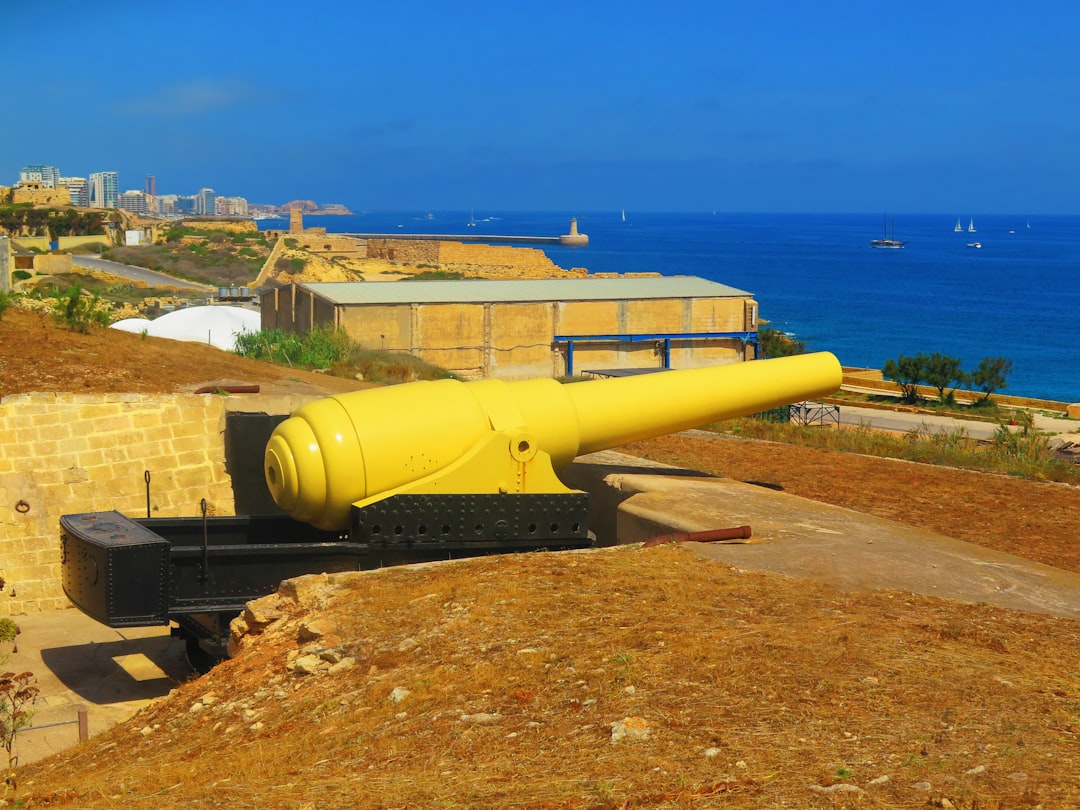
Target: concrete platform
point(803, 538)
point(79, 662)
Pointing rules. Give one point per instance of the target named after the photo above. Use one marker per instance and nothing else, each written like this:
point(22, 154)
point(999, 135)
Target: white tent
point(217, 326)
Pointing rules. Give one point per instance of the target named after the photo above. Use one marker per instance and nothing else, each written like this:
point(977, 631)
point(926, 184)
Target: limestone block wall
point(6, 263)
point(52, 263)
point(331, 243)
point(75, 242)
point(494, 260)
point(41, 196)
point(30, 242)
point(407, 251)
point(230, 225)
point(68, 453)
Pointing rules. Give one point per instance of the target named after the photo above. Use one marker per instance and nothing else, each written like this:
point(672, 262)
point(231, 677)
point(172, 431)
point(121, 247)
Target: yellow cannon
point(336, 458)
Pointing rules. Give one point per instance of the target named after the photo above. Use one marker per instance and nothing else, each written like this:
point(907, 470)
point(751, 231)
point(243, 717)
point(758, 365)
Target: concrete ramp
point(803, 538)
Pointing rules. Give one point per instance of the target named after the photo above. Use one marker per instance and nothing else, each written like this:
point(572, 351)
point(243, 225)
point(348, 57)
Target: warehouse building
point(532, 328)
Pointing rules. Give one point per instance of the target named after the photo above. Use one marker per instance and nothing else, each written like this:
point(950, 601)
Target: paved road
point(132, 273)
point(902, 422)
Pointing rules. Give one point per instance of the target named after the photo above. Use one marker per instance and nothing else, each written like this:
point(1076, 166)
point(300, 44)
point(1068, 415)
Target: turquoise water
point(816, 277)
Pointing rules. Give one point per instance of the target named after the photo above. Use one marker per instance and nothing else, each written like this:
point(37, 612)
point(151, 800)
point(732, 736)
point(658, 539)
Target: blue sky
point(757, 105)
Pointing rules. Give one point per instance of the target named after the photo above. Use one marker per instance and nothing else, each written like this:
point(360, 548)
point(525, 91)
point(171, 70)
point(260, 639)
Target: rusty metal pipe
point(708, 536)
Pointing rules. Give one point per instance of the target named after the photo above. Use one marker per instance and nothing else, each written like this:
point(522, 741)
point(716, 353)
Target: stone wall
point(317, 243)
point(494, 261)
point(230, 225)
point(51, 263)
point(7, 263)
point(41, 196)
point(68, 453)
point(405, 251)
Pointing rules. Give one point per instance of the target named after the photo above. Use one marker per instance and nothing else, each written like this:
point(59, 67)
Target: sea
point(816, 277)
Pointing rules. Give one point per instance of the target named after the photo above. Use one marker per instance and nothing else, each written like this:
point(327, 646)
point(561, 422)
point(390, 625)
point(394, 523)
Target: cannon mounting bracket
point(536, 520)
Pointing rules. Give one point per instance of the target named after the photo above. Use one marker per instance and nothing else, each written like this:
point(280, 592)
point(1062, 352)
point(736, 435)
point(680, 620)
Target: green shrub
point(79, 312)
point(333, 350)
point(7, 298)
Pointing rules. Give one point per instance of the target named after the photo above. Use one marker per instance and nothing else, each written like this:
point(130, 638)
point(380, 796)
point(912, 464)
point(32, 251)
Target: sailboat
point(472, 220)
point(886, 241)
point(971, 225)
point(959, 228)
point(624, 215)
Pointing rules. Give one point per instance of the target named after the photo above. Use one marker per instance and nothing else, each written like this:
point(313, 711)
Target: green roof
point(485, 291)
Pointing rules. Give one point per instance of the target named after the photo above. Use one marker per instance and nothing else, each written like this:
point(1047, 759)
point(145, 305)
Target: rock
point(408, 644)
point(399, 694)
point(978, 769)
point(841, 787)
point(924, 787)
point(629, 728)
point(710, 753)
point(313, 629)
point(881, 780)
point(306, 665)
point(342, 665)
point(306, 590)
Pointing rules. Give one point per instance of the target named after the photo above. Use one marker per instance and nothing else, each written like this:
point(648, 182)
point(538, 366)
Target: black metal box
point(116, 570)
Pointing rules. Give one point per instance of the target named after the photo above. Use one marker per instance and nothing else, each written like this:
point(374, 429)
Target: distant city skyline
point(687, 105)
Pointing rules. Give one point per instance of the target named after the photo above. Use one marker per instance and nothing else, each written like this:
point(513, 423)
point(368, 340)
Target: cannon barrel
point(493, 436)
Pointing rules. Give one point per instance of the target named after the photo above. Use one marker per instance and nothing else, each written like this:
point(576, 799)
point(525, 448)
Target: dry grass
point(757, 690)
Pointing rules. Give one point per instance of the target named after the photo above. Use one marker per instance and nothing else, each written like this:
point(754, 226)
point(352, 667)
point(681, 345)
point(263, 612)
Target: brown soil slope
point(37, 355)
point(621, 678)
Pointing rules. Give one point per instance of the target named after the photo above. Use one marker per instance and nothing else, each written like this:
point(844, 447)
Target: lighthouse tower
point(574, 238)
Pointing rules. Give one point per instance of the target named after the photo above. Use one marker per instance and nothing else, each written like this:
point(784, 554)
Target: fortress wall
point(230, 225)
point(41, 196)
point(495, 260)
point(69, 453)
point(330, 243)
point(407, 251)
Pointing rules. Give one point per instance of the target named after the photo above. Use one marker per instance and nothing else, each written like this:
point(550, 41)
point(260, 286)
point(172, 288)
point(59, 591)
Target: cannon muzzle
point(492, 436)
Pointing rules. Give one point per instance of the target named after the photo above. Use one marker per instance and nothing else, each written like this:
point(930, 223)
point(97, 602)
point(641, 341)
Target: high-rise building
point(151, 186)
point(232, 206)
point(77, 190)
point(104, 189)
point(206, 202)
point(133, 201)
point(185, 205)
point(164, 204)
point(46, 176)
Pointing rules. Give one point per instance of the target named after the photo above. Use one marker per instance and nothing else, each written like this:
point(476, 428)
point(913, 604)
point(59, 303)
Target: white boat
point(974, 244)
point(959, 228)
point(971, 225)
point(472, 220)
point(624, 215)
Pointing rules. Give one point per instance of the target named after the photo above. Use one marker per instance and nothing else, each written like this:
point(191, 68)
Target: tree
point(908, 373)
point(989, 376)
point(942, 372)
point(777, 344)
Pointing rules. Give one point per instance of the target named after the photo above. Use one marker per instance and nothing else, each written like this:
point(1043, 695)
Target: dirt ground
point(724, 688)
point(37, 355)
